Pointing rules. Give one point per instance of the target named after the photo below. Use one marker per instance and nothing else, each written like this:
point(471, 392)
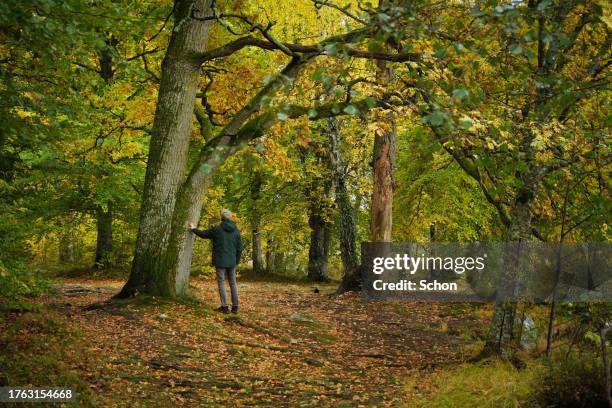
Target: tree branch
point(87, 67)
point(344, 10)
point(204, 121)
point(317, 49)
point(143, 53)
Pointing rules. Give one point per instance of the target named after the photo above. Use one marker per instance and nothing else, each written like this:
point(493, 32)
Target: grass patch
point(19, 305)
point(491, 384)
point(41, 350)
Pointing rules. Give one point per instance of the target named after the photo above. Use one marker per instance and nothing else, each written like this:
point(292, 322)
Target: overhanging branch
point(315, 49)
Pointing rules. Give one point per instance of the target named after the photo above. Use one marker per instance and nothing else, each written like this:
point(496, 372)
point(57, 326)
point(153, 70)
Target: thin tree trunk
point(280, 262)
point(104, 218)
point(606, 362)
point(590, 281)
point(258, 259)
point(553, 306)
point(66, 247)
point(270, 256)
point(553, 301)
point(318, 194)
point(351, 278)
point(257, 248)
point(167, 159)
point(104, 241)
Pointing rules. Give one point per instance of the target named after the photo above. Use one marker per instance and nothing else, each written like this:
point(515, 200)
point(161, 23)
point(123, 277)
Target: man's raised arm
point(208, 233)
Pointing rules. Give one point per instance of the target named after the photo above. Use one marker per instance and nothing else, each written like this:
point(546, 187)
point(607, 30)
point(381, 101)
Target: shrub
point(16, 280)
point(573, 381)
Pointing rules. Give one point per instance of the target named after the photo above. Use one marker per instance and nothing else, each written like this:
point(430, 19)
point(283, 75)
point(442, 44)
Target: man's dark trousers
point(231, 276)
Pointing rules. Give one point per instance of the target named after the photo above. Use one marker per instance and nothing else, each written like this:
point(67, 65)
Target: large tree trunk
point(383, 162)
point(180, 247)
point(167, 159)
point(164, 249)
point(351, 278)
point(177, 257)
point(104, 241)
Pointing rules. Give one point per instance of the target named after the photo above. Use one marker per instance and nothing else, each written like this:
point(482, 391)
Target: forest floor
point(288, 346)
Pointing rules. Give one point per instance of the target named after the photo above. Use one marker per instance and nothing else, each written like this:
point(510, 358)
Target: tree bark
point(104, 241)
point(257, 249)
point(383, 162)
point(501, 338)
point(104, 218)
point(351, 277)
point(317, 194)
point(319, 246)
point(258, 259)
point(167, 158)
point(270, 256)
point(381, 218)
point(553, 301)
point(280, 263)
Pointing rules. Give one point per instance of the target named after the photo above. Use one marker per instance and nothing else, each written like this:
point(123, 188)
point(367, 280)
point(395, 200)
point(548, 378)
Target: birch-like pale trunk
point(351, 278)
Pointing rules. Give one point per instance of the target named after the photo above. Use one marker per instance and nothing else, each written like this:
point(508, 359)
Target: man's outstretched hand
point(191, 226)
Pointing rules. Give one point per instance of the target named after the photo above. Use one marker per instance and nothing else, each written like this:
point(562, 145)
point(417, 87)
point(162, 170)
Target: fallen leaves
point(305, 350)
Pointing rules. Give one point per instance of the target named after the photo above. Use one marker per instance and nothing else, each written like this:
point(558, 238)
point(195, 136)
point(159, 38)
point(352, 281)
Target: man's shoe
point(222, 309)
point(234, 309)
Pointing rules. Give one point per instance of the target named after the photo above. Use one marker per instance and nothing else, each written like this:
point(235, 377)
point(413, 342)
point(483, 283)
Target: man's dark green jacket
point(226, 243)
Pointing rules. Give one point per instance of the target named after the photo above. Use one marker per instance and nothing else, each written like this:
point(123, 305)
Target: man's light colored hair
point(226, 214)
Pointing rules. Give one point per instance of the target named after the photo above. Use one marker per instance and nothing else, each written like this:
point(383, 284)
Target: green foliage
point(17, 280)
point(71, 142)
point(435, 199)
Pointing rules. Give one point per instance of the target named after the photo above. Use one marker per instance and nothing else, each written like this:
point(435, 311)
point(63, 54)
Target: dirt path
point(289, 346)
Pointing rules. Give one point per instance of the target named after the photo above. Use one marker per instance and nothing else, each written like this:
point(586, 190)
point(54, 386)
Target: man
point(226, 250)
